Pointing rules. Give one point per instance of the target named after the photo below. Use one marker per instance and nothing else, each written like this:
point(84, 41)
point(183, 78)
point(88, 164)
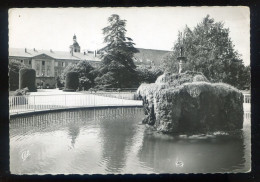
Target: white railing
point(247, 98)
point(119, 95)
point(32, 103)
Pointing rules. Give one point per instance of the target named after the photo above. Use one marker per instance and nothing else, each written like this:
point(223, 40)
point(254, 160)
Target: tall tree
point(209, 49)
point(117, 68)
point(14, 67)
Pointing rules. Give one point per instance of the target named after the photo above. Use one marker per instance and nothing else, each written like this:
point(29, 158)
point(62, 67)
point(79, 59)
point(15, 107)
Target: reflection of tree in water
point(117, 132)
point(220, 154)
point(73, 132)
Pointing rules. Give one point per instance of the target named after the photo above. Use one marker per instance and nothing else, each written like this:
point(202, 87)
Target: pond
point(113, 140)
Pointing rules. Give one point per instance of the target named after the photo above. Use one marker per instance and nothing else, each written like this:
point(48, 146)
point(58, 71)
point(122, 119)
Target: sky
point(149, 27)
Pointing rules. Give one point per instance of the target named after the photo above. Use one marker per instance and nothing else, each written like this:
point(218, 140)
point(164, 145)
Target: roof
point(151, 55)
point(145, 56)
point(30, 53)
point(76, 44)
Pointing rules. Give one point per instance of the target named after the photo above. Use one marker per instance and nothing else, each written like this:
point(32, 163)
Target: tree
point(209, 49)
point(117, 66)
point(14, 67)
point(85, 72)
point(146, 75)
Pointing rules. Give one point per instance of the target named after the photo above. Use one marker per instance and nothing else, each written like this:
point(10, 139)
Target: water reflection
point(197, 154)
point(113, 141)
point(117, 136)
point(73, 132)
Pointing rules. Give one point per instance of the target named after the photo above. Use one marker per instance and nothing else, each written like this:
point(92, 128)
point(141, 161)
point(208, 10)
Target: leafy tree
point(209, 49)
point(117, 66)
point(85, 71)
point(14, 67)
point(146, 75)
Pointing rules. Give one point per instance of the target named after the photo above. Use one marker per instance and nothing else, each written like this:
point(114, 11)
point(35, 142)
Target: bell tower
point(75, 46)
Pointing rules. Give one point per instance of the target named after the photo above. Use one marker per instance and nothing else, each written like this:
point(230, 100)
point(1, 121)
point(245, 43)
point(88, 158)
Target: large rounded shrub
point(72, 81)
point(27, 79)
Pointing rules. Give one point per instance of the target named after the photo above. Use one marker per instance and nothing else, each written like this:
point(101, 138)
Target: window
point(48, 70)
point(63, 64)
point(21, 61)
point(56, 64)
point(43, 62)
point(30, 62)
point(37, 68)
point(56, 73)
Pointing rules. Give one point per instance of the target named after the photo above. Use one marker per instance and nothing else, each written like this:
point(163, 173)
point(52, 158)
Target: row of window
point(30, 62)
point(62, 64)
point(43, 63)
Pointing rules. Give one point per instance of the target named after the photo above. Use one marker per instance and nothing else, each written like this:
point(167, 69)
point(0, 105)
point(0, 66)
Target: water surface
point(114, 141)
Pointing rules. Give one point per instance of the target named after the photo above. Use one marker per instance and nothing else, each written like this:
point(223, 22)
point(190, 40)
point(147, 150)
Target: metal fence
point(247, 98)
point(120, 95)
point(32, 103)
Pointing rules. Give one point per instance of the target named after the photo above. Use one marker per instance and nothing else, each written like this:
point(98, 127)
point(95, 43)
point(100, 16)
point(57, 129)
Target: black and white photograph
point(129, 90)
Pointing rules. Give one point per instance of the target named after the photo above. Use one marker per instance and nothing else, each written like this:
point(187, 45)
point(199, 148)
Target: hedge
point(72, 81)
point(27, 79)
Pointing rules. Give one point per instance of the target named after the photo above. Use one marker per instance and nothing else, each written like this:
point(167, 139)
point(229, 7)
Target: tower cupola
point(75, 46)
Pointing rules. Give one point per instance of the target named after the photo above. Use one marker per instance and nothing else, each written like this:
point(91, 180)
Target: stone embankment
point(189, 103)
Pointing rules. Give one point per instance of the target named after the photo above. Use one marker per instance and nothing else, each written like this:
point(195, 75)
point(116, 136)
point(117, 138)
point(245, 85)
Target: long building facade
point(49, 64)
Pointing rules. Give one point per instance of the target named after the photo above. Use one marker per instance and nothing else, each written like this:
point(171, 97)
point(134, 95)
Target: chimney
point(95, 53)
point(50, 50)
point(34, 49)
point(25, 50)
point(84, 52)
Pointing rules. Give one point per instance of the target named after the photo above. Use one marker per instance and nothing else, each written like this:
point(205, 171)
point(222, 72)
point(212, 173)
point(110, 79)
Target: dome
point(76, 44)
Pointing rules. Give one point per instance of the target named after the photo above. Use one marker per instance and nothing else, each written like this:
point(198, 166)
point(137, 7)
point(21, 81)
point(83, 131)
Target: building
point(50, 63)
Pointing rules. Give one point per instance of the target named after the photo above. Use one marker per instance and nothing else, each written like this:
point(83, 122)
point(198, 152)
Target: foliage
point(117, 68)
point(209, 49)
point(85, 72)
point(177, 79)
point(72, 81)
point(21, 100)
point(146, 75)
point(27, 79)
point(20, 92)
point(59, 84)
point(14, 67)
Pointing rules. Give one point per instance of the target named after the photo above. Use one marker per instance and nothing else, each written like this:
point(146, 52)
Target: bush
point(27, 79)
point(146, 75)
point(199, 107)
point(58, 82)
point(20, 92)
point(187, 103)
point(86, 74)
point(72, 81)
point(20, 100)
point(199, 78)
